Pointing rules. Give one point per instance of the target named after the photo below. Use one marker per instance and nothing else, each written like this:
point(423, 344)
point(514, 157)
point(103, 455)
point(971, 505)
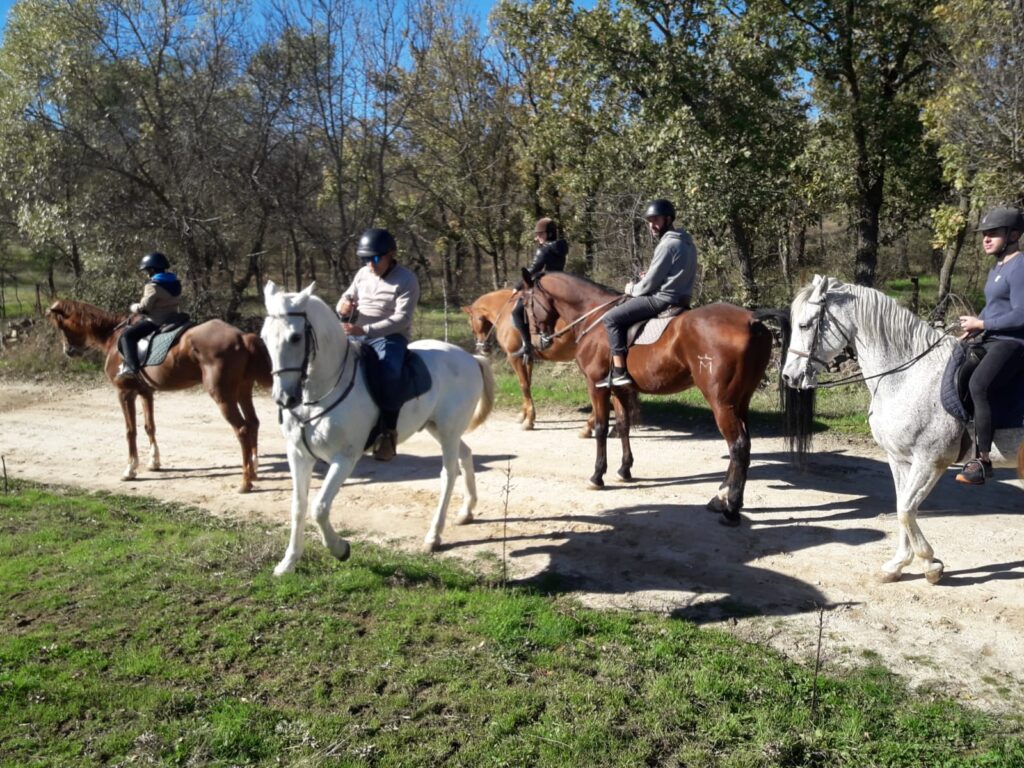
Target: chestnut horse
point(226, 361)
point(721, 349)
point(490, 319)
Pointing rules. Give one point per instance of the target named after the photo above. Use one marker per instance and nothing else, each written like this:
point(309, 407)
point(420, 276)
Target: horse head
point(74, 334)
point(541, 312)
point(819, 336)
point(299, 328)
point(481, 326)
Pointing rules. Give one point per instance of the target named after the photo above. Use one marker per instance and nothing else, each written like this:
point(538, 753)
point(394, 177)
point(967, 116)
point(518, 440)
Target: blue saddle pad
point(1007, 402)
point(160, 343)
point(415, 376)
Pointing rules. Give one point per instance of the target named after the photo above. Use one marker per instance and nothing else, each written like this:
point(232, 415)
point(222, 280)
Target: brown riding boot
point(384, 447)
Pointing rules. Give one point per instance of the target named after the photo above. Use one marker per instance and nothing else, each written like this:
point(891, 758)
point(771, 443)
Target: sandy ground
point(810, 538)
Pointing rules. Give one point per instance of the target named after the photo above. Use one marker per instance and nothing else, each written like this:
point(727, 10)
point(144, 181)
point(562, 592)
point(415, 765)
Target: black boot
point(519, 322)
point(385, 447)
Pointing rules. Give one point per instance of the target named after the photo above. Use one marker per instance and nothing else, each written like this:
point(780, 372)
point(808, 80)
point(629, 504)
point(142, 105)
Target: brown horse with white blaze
point(490, 319)
point(226, 361)
point(721, 349)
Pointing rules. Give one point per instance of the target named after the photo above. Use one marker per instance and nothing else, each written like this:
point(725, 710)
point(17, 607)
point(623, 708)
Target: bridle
point(309, 355)
point(547, 339)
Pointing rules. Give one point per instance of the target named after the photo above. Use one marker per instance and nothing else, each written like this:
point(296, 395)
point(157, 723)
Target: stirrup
point(385, 446)
point(975, 472)
point(125, 373)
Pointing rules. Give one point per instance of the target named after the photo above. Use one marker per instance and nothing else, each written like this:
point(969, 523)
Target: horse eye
point(294, 338)
point(804, 326)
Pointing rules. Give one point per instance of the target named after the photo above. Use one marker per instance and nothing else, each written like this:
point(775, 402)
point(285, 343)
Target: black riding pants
point(128, 344)
point(1003, 361)
point(618, 319)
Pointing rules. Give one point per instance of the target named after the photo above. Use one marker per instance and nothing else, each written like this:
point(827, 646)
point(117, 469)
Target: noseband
point(823, 313)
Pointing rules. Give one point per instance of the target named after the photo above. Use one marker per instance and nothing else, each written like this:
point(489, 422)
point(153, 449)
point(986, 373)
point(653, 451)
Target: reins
point(578, 320)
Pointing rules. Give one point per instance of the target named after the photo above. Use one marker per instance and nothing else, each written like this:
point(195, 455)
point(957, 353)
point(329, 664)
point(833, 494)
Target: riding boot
point(129, 362)
point(519, 323)
point(386, 444)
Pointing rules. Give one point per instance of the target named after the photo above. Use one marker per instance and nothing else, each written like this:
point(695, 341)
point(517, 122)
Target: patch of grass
point(139, 632)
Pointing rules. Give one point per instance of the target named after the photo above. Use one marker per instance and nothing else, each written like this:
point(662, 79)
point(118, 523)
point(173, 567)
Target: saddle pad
point(160, 343)
point(415, 376)
point(649, 331)
point(1007, 403)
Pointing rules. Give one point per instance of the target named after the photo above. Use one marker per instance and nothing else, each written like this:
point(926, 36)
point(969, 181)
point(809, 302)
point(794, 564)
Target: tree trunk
point(869, 208)
point(742, 252)
point(952, 250)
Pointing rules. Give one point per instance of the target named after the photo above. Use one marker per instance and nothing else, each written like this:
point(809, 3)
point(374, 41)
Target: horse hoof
point(284, 567)
point(527, 426)
point(153, 467)
point(431, 545)
point(585, 434)
point(717, 506)
point(245, 488)
point(730, 519)
point(934, 572)
point(596, 482)
point(889, 577)
point(625, 476)
point(127, 476)
point(464, 518)
point(341, 550)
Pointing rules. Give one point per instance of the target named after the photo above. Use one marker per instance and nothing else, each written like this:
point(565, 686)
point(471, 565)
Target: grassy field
point(136, 633)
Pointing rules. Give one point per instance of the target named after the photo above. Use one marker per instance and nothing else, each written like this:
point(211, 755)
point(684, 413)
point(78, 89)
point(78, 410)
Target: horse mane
point(86, 315)
point(580, 278)
point(895, 325)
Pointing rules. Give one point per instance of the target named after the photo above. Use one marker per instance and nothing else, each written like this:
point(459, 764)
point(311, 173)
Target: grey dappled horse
point(906, 415)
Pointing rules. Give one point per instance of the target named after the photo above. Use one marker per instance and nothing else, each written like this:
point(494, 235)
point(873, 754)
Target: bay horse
point(490, 319)
point(902, 359)
point(721, 349)
point(226, 361)
point(327, 411)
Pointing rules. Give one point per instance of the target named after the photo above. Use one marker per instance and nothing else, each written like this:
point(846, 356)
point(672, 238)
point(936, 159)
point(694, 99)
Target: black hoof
point(729, 519)
point(597, 482)
point(625, 475)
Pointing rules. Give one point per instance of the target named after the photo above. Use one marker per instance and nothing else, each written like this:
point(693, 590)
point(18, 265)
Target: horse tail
point(258, 366)
point(796, 405)
point(485, 404)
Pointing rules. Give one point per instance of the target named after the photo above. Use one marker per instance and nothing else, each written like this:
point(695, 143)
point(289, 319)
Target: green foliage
point(144, 633)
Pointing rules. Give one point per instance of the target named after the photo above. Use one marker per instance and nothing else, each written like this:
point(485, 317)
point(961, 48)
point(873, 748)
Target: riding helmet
point(546, 227)
point(375, 242)
point(997, 218)
point(155, 261)
point(660, 207)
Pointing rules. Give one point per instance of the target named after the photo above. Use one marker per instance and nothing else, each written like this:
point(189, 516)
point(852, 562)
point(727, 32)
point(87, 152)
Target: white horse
point(902, 359)
point(327, 411)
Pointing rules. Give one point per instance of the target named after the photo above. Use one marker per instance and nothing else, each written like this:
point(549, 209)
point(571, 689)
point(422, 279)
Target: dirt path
point(810, 538)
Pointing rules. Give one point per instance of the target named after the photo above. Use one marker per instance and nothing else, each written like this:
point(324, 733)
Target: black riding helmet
point(155, 261)
point(375, 243)
point(660, 207)
point(997, 218)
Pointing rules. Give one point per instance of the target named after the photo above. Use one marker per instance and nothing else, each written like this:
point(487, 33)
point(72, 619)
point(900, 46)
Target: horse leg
point(337, 474)
point(599, 399)
point(150, 426)
point(301, 469)
point(469, 482)
point(622, 425)
point(588, 428)
point(451, 449)
point(904, 555)
point(918, 482)
point(729, 499)
point(231, 413)
point(127, 399)
point(524, 372)
point(252, 427)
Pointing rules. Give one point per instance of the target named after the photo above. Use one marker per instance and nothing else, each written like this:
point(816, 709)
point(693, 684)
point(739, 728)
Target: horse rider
point(667, 282)
point(1001, 324)
point(384, 295)
point(550, 257)
point(158, 305)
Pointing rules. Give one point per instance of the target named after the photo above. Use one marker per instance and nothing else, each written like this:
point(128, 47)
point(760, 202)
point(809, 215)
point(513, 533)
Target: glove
point(135, 308)
point(628, 290)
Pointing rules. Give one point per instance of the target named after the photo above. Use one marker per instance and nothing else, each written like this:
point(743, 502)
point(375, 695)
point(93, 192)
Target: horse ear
point(308, 290)
point(467, 310)
point(270, 290)
point(527, 278)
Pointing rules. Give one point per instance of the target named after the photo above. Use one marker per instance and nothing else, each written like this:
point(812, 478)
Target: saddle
point(415, 380)
point(1007, 402)
point(153, 348)
point(649, 331)
point(415, 376)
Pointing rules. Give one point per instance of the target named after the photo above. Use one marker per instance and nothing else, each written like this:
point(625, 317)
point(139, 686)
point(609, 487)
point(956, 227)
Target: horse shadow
point(695, 568)
point(401, 469)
